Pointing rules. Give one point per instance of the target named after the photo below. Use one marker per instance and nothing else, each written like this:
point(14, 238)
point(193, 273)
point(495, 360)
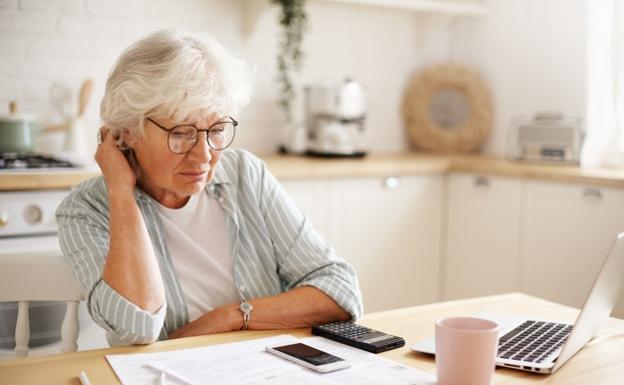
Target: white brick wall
point(27, 21)
point(8, 4)
point(88, 25)
point(62, 42)
point(11, 43)
point(532, 53)
point(52, 5)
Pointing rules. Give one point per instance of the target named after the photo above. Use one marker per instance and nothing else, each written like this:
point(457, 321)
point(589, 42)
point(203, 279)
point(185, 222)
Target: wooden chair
point(40, 277)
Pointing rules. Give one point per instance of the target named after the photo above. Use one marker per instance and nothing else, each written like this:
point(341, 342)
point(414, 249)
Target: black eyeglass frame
point(197, 131)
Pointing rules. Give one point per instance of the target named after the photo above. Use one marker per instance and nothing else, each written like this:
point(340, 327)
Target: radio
point(546, 137)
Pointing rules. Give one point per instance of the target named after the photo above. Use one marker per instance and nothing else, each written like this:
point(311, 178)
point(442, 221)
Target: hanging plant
point(293, 20)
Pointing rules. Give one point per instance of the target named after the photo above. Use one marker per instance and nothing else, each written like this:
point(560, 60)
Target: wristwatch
point(245, 308)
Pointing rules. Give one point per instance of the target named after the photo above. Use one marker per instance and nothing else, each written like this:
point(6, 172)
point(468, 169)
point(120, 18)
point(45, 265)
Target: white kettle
point(350, 100)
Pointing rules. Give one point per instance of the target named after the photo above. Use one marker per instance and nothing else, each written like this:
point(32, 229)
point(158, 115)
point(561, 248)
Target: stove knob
point(4, 218)
point(33, 214)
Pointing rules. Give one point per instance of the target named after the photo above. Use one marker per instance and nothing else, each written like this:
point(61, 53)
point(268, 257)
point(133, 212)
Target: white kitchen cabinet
point(568, 230)
point(389, 229)
point(498, 234)
point(310, 196)
point(481, 255)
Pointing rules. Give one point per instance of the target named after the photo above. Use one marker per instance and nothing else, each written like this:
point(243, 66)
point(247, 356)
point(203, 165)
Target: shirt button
point(241, 288)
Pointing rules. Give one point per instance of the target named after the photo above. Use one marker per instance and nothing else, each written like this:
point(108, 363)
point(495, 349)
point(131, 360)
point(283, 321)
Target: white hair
point(176, 75)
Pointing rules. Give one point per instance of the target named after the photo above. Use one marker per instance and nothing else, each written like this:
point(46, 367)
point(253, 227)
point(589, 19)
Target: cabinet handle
point(592, 194)
point(391, 182)
point(482, 181)
point(4, 218)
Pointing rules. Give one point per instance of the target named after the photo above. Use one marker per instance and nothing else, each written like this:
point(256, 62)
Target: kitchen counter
point(298, 167)
point(50, 179)
point(607, 177)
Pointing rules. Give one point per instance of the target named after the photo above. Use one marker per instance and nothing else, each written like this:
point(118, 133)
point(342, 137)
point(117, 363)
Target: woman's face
point(168, 177)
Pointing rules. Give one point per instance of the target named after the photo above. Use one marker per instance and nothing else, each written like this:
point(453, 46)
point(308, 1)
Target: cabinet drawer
point(390, 229)
point(568, 231)
point(482, 235)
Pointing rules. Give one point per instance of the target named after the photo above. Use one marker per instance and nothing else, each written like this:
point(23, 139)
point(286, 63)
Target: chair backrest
point(40, 277)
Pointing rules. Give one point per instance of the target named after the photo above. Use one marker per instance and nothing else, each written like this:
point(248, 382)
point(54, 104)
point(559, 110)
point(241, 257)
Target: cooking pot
point(17, 133)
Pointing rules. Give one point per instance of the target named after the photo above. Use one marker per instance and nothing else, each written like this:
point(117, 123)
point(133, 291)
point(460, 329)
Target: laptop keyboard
point(533, 341)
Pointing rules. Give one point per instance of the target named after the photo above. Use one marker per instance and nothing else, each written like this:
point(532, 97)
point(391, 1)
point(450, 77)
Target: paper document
point(247, 362)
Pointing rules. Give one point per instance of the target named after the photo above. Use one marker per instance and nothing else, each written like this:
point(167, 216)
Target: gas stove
point(22, 161)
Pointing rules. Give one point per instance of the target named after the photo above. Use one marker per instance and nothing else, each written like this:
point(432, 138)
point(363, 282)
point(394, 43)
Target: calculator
point(358, 336)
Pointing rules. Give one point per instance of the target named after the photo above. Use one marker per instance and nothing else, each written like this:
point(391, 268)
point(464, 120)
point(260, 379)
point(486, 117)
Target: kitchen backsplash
point(61, 42)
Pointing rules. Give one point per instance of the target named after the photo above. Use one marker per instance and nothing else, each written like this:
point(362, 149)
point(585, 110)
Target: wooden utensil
point(85, 95)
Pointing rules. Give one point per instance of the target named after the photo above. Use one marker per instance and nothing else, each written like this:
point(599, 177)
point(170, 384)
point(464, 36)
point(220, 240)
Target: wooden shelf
point(254, 8)
point(449, 7)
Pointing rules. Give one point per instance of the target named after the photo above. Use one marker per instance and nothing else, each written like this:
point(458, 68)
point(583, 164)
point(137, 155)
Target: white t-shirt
point(200, 250)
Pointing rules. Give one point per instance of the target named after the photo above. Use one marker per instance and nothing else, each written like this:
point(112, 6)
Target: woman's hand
point(131, 266)
point(301, 307)
point(222, 319)
point(116, 170)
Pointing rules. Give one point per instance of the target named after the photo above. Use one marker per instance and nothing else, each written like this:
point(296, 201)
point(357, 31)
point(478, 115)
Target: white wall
point(531, 52)
point(43, 42)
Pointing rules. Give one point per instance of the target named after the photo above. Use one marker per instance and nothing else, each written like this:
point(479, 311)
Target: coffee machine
point(335, 117)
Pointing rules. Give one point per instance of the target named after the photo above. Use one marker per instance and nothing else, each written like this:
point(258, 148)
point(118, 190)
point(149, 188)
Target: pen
point(84, 380)
point(163, 370)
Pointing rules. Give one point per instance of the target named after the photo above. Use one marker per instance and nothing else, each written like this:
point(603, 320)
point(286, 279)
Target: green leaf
point(293, 20)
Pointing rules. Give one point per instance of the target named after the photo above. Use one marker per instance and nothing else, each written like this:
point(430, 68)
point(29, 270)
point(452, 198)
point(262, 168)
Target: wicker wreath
point(424, 132)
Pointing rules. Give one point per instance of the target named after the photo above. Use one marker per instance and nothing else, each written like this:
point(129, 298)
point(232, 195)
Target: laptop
point(543, 346)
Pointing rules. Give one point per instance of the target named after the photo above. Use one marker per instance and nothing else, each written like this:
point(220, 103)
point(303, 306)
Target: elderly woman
point(179, 236)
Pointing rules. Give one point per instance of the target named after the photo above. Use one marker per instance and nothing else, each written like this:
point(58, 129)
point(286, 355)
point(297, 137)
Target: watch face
point(246, 307)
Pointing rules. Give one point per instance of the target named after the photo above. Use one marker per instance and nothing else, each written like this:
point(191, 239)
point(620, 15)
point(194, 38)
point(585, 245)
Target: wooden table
point(600, 362)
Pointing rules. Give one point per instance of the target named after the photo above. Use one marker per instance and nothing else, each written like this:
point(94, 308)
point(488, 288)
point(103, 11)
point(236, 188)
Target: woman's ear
point(127, 139)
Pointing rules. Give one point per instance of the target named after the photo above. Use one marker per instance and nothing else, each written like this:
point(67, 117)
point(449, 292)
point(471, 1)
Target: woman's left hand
point(220, 320)
point(301, 307)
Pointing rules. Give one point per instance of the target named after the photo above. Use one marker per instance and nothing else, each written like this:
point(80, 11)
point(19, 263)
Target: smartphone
point(309, 357)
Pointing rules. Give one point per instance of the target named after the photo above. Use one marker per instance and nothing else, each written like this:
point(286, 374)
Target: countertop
point(290, 167)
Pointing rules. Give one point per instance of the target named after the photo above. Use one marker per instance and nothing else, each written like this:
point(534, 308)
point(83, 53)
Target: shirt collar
point(220, 176)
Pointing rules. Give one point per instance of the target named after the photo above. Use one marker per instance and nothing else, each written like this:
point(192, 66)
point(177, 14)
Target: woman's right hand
point(116, 170)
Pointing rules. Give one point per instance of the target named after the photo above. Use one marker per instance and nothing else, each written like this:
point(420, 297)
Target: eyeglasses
point(181, 139)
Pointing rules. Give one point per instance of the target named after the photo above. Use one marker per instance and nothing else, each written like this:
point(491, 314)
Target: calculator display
point(374, 339)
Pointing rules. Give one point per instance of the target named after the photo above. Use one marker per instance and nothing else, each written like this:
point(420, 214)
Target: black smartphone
point(309, 357)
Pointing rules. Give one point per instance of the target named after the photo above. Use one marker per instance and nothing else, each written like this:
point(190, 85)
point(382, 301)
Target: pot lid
point(13, 116)
point(16, 118)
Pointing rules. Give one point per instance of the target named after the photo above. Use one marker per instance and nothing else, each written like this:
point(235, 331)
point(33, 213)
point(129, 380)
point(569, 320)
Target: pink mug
point(465, 350)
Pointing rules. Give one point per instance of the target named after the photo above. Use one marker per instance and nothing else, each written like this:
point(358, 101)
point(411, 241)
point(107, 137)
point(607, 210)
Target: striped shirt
point(274, 247)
